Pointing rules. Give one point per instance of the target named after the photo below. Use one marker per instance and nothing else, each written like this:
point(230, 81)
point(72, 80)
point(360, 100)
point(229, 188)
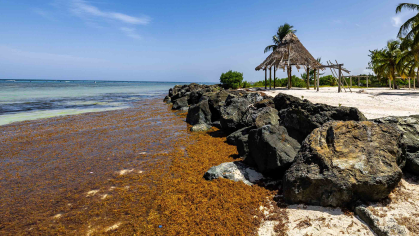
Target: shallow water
point(22, 100)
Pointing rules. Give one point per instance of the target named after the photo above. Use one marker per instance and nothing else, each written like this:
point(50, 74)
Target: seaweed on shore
point(157, 193)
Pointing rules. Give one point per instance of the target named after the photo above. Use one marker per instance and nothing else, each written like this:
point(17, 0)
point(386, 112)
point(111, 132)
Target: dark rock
point(253, 97)
point(199, 113)
point(216, 100)
point(260, 117)
point(232, 113)
point(233, 137)
point(216, 124)
point(300, 117)
point(240, 139)
point(180, 102)
point(194, 97)
point(343, 162)
point(167, 100)
point(264, 103)
point(409, 126)
point(236, 171)
point(271, 150)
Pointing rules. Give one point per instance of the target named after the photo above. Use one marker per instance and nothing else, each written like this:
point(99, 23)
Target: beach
point(372, 102)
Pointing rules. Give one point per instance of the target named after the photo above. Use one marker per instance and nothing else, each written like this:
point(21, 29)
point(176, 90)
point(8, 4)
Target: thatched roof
point(299, 55)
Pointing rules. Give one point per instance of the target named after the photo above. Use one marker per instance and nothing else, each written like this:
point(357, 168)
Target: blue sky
point(191, 41)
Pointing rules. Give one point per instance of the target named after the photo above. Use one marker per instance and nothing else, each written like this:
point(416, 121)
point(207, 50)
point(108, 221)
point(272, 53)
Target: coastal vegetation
point(231, 79)
point(400, 58)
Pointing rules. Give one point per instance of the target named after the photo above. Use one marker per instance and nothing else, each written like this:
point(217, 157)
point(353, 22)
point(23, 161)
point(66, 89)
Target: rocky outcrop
point(232, 113)
point(216, 100)
point(240, 139)
point(236, 171)
point(192, 93)
point(342, 162)
point(301, 117)
point(260, 117)
point(179, 103)
point(409, 125)
point(271, 150)
point(199, 113)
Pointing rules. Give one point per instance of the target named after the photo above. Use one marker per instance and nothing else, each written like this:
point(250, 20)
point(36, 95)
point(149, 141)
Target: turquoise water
point(22, 100)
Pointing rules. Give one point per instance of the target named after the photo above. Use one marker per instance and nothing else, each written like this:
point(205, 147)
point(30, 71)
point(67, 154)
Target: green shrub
point(231, 79)
point(246, 84)
point(327, 80)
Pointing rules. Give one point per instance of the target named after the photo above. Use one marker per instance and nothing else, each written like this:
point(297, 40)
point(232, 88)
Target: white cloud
point(82, 8)
point(396, 21)
point(130, 32)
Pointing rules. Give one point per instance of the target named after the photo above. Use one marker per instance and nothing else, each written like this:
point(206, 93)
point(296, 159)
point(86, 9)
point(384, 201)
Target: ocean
point(22, 100)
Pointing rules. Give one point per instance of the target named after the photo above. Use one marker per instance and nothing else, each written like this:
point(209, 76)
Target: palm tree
point(384, 62)
point(283, 30)
point(410, 28)
point(409, 59)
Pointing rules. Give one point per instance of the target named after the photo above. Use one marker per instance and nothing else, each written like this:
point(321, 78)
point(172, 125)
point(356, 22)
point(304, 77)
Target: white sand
point(315, 221)
point(374, 102)
point(402, 209)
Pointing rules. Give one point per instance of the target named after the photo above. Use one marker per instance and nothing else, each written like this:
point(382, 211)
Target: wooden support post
point(315, 81)
point(350, 79)
point(289, 78)
point(266, 76)
point(270, 78)
point(308, 77)
point(274, 76)
point(340, 78)
point(409, 83)
point(318, 80)
point(367, 81)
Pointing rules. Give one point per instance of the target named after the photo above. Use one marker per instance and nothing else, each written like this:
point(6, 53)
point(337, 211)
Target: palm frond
point(410, 6)
point(269, 48)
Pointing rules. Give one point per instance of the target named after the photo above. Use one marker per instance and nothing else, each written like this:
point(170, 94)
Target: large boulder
point(216, 101)
point(271, 150)
point(240, 139)
point(199, 113)
point(409, 126)
point(194, 97)
point(342, 162)
point(300, 117)
point(260, 117)
point(233, 137)
point(236, 171)
point(232, 113)
point(179, 103)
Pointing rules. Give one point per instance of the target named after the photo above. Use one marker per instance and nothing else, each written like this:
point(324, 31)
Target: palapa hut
point(290, 52)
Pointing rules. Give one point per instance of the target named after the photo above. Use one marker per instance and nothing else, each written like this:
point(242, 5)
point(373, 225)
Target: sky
point(183, 41)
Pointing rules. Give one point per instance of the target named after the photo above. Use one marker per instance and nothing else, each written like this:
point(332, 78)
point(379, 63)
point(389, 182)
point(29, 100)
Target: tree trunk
point(394, 81)
point(290, 77)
